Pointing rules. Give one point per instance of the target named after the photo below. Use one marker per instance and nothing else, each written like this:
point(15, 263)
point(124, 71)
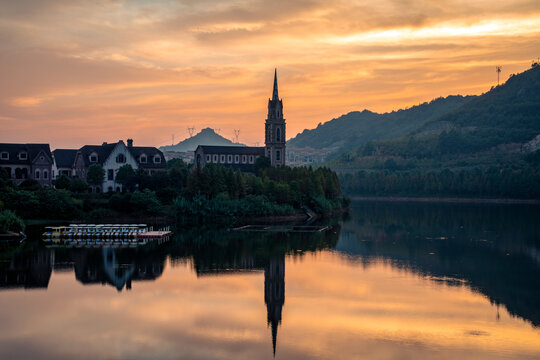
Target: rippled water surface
point(389, 281)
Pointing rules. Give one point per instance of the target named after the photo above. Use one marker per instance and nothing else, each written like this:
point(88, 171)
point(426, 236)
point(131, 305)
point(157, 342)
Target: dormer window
point(121, 158)
point(23, 156)
point(93, 158)
point(143, 159)
point(4, 155)
point(157, 159)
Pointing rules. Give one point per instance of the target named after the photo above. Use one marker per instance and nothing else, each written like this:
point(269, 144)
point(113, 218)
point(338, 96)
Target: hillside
point(205, 137)
point(357, 128)
point(488, 147)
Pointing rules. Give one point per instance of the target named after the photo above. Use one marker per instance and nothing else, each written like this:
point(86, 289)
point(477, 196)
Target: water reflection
point(493, 251)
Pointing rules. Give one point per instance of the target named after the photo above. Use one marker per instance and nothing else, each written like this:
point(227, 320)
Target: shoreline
point(455, 200)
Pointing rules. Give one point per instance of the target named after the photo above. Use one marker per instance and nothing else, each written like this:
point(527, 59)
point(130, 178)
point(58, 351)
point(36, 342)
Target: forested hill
point(509, 113)
point(357, 128)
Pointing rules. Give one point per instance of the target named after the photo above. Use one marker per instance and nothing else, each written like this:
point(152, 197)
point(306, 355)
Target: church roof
point(275, 95)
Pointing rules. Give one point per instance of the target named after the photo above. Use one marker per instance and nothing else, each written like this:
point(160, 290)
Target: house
point(244, 157)
point(64, 161)
point(27, 161)
point(112, 157)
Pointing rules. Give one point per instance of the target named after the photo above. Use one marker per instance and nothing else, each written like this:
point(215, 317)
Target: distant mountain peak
point(206, 136)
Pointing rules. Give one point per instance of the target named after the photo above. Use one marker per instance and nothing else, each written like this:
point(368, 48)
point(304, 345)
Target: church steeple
point(275, 95)
point(275, 128)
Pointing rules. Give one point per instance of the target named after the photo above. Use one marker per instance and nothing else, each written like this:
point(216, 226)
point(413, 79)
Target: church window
point(215, 158)
point(229, 159)
point(278, 134)
point(244, 159)
point(236, 159)
point(208, 158)
point(222, 159)
point(278, 155)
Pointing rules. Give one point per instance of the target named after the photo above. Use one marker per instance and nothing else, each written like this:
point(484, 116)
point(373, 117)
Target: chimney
point(130, 142)
point(104, 143)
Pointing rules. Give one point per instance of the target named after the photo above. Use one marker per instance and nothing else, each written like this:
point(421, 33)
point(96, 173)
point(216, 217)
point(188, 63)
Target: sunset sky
point(77, 72)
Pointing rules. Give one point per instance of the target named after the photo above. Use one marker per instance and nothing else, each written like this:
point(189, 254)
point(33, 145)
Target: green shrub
point(10, 222)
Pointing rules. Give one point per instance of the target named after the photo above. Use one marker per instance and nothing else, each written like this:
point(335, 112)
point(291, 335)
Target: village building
point(63, 163)
point(244, 157)
point(115, 155)
point(27, 161)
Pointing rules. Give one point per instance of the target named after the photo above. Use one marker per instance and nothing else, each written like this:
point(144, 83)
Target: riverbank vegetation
point(180, 191)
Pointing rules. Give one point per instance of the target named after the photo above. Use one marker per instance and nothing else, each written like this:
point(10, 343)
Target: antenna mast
point(498, 69)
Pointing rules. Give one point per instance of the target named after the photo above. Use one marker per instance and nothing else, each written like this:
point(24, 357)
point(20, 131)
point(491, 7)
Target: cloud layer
point(77, 72)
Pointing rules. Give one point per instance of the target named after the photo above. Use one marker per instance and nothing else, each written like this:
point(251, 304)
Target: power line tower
point(217, 131)
point(498, 69)
point(172, 136)
point(191, 130)
point(257, 144)
point(236, 134)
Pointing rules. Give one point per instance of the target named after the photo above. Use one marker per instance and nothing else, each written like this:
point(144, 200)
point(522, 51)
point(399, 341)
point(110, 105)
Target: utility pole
point(172, 135)
point(190, 130)
point(498, 68)
point(236, 133)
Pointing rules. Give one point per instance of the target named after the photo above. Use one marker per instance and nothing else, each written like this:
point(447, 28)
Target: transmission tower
point(498, 69)
point(236, 133)
point(191, 130)
point(172, 136)
point(217, 131)
point(257, 144)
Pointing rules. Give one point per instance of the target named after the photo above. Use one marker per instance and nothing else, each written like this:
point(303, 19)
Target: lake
point(387, 281)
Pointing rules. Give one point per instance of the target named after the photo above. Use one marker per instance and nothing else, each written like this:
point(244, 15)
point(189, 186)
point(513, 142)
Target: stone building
point(27, 161)
point(244, 157)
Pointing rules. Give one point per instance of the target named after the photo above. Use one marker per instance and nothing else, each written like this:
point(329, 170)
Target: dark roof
point(231, 150)
point(31, 149)
point(103, 151)
point(64, 158)
point(150, 152)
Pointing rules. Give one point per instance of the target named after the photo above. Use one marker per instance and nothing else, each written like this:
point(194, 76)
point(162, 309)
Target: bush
point(78, 186)
point(10, 222)
point(63, 182)
point(145, 201)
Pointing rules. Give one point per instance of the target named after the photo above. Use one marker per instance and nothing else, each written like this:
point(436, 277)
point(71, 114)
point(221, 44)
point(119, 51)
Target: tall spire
point(275, 95)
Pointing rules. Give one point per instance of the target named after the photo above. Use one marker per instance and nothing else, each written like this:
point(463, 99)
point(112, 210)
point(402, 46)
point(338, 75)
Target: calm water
point(390, 281)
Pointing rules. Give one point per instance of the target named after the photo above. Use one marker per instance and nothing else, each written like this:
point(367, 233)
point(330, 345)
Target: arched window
point(45, 174)
point(157, 159)
point(278, 155)
point(121, 158)
point(278, 134)
point(37, 174)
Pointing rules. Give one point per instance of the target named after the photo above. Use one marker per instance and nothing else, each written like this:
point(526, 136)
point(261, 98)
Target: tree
point(78, 186)
point(126, 177)
point(96, 175)
point(10, 222)
point(63, 182)
point(262, 163)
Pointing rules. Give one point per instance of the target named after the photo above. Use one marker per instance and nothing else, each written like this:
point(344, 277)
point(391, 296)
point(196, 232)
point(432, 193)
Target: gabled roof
point(231, 150)
point(103, 151)
point(150, 152)
point(31, 149)
point(64, 158)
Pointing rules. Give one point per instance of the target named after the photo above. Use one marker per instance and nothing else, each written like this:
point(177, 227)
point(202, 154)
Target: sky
point(75, 72)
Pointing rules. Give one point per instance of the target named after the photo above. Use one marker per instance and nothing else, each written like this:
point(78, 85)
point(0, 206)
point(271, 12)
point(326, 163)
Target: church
point(244, 157)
